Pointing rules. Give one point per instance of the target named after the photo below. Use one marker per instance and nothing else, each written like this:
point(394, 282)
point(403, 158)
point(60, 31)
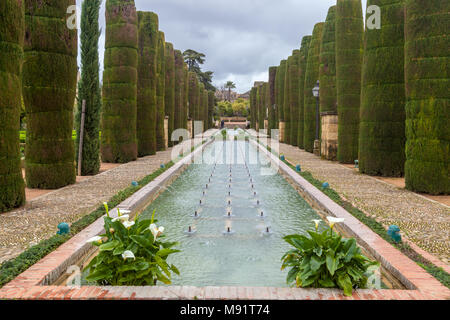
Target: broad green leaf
point(109, 246)
point(327, 283)
point(315, 263)
point(331, 264)
point(345, 284)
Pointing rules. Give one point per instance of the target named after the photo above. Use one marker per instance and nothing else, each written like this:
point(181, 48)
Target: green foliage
point(326, 260)
point(294, 78)
point(193, 95)
point(287, 101)
point(169, 96)
point(12, 30)
point(279, 89)
point(49, 84)
point(147, 81)
point(119, 139)
point(311, 77)
point(303, 60)
point(160, 92)
point(427, 167)
point(180, 120)
point(253, 108)
point(89, 90)
point(193, 60)
point(132, 254)
point(273, 121)
point(211, 107)
point(349, 50)
point(382, 124)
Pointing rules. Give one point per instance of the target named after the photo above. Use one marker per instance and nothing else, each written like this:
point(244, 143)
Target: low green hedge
point(23, 136)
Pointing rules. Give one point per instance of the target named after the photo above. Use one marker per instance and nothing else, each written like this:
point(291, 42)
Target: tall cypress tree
point(311, 77)
point(294, 78)
point(253, 106)
point(200, 105)
point(349, 49)
point(193, 95)
point(179, 90)
point(205, 110)
point(272, 103)
point(169, 96)
point(186, 96)
point(306, 40)
point(119, 141)
point(146, 90)
point(211, 105)
point(382, 128)
point(279, 91)
point(427, 60)
point(160, 92)
point(12, 31)
point(327, 78)
point(287, 102)
point(49, 88)
point(89, 90)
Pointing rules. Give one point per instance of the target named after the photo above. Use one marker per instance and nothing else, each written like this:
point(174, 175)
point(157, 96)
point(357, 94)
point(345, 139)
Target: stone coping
point(34, 283)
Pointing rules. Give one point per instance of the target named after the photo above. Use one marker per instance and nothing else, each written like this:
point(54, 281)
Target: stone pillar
point(257, 126)
point(266, 125)
point(189, 128)
point(329, 143)
point(166, 132)
point(282, 127)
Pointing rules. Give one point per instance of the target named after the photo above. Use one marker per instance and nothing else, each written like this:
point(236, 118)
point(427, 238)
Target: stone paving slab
point(424, 222)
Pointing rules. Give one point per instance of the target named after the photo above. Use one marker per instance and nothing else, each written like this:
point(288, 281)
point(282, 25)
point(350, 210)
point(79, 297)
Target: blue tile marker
point(63, 228)
point(356, 164)
point(162, 166)
point(134, 184)
point(298, 168)
point(394, 233)
point(282, 158)
point(325, 185)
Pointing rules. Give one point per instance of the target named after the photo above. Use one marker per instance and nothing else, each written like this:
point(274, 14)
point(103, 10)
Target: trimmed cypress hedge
point(253, 107)
point(146, 91)
point(179, 90)
point(327, 69)
point(349, 44)
point(185, 95)
point(311, 77)
point(382, 123)
point(273, 123)
point(427, 60)
point(89, 90)
point(205, 109)
point(261, 106)
point(49, 87)
point(306, 40)
point(12, 31)
point(287, 102)
point(279, 89)
point(264, 104)
point(119, 141)
point(160, 92)
point(199, 107)
point(169, 96)
point(294, 78)
point(211, 105)
point(193, 95)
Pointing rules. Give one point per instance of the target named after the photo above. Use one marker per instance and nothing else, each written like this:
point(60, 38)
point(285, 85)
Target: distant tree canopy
point(194, 60)
point(239, 108)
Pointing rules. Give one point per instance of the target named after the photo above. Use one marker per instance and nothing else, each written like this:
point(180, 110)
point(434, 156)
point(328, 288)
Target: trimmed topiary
point(205, 109)
point(49, 87)
point(253, 107)
point(200, 105)
point(119, 142)
point(179, 91)
point(311, 77)
point(303, 59)
point(287, 102)
point(294, 78)
point(146, 91)
point(382, 123)
point(279, 89)
point(211, 105)
point(12, 31)
point(169, 95)
point(160, 92)
point(273, 123)
point(185, 96)
point(193, 95)
point(427, 96)
point(89, 90)
point(264, 105)
point(349, 50)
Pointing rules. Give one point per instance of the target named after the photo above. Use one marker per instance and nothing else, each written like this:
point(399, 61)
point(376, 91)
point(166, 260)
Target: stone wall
point(329, 141)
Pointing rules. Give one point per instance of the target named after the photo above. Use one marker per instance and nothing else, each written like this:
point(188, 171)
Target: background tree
point(273, 123)
point(89, 89)
point(279, 91)
point(179, 91)
point(118, 140)
point(160, 92)
point(169, 95)
point(49, 89)
point(304, 49)
point(229, 86)
point(12, 31)
point(194, 60)
point(287, 102)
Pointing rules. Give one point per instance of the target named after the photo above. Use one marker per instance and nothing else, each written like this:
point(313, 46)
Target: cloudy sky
point(241, 38)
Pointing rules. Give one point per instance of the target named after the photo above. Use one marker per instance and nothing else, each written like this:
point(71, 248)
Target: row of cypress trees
point(389, 87)
point(144, 81)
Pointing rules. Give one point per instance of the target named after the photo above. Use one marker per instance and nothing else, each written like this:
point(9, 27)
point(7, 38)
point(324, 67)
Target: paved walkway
point(38, 220)
point(424, 222)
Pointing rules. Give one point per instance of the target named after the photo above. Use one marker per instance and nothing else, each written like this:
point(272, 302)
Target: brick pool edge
point(34, 283)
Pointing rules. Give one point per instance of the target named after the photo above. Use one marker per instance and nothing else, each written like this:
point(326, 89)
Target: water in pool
point(242, 216)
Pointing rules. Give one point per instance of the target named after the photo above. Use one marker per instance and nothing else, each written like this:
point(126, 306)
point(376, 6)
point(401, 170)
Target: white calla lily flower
point(334, 220)
point(94, 239)
point(316, 222)
point(121, 218)
point(128, 255)
point(128, 224)
point(156, 231)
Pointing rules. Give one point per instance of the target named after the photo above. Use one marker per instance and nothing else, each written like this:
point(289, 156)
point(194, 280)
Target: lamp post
point(316, 94)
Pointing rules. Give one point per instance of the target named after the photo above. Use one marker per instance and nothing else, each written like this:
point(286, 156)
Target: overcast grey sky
point(241, 38)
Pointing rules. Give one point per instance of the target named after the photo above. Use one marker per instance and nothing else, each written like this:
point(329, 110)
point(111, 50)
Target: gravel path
point(424, 222)
point(38, 220)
